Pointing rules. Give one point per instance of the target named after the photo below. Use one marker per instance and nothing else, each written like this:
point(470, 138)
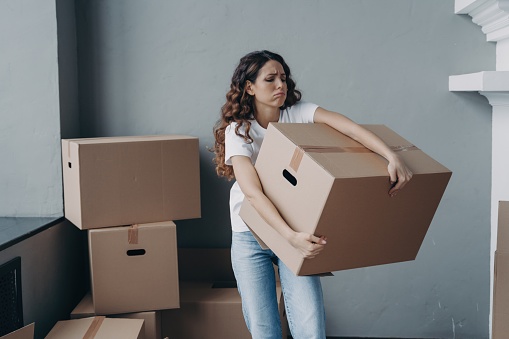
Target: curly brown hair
point(239, 106)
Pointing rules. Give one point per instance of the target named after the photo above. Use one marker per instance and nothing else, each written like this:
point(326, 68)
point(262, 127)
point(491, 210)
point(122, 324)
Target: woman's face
point(269, 89)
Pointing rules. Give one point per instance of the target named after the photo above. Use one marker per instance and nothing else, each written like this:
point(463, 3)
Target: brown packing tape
point(296, 158)
point(94, 327)
point(132, 234)
point(300, 150)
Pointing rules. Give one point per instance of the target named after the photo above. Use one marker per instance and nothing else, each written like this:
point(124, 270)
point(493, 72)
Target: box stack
point(325, 183)
point(126, 192)
point(500, 315)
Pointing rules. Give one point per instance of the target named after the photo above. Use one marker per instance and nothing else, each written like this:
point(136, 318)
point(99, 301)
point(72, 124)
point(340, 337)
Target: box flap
point(85, 308)
point(334, 150)
point(106, 329)
point(26, 332)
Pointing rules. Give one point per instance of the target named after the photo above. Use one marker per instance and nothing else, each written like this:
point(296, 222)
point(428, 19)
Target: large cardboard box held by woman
point(325, 183)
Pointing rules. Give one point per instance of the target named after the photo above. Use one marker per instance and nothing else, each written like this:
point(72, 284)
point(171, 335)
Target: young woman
point(262, 91)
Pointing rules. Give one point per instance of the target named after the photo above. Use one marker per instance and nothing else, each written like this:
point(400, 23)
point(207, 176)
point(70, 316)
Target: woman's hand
point(399, 173)
point(307, 244)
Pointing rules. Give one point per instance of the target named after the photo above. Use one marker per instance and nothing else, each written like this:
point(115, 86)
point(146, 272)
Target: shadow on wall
point(213, 228)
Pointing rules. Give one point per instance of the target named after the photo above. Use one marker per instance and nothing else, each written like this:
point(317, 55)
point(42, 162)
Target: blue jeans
point(256, 282)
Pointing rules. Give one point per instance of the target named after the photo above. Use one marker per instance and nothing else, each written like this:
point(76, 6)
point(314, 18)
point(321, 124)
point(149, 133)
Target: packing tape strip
point(298, 154)
point(132, 234)
point(94, 327)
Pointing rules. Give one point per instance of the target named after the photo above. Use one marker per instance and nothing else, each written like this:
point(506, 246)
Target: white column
point(493, 17)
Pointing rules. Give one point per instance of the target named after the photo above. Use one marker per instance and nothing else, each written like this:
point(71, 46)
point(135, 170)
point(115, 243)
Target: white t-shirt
point(301, 112)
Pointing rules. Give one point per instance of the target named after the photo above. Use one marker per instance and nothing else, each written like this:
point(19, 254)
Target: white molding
point(481, 81)
point(491, 15)
point(497, 99)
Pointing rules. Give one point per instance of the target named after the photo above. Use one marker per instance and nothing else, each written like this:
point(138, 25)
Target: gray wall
point(67, 69)
point(30, 170)
point(149, 67)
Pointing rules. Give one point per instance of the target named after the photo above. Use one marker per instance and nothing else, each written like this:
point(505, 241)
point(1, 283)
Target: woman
point(262, 91)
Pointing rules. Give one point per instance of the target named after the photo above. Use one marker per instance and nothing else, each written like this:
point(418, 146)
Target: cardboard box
point(152, 320)
point(325, 183)
point(210, 304)
point(500, 318)
point(134, 268)
point(209, 310)
point(26, 332)
point(97, 328)
point(126, 180)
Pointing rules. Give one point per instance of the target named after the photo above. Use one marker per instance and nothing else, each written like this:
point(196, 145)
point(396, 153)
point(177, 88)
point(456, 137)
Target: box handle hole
point(291, 179)
point(133, 253)
point(70, 165)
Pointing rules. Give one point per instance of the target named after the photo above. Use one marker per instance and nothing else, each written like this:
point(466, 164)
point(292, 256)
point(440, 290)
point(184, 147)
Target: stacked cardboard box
point(125, 192)
point(325, 183)
point(98, 328)
point(152, 320)
point(130, 180)
point(500, 317)
point(210, 304)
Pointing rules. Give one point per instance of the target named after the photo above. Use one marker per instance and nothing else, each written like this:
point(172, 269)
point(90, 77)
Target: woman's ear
point(249, 87)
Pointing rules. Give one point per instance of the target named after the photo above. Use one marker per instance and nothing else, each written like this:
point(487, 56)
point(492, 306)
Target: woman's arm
point(399, 173)
point(247, 177)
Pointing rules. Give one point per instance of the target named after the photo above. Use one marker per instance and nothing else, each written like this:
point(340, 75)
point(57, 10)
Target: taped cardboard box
point(324, 183)
point(210, 304)
point(126, 180)
point(152, 319)
point(98, 328)
point(134, 268)
point(26, 332)
point(500, 318)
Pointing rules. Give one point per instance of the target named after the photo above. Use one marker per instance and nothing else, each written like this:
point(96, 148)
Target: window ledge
point(13, 230)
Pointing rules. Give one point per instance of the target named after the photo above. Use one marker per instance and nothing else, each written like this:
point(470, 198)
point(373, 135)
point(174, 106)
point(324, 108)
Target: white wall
point(30, 170)
point(150, 67)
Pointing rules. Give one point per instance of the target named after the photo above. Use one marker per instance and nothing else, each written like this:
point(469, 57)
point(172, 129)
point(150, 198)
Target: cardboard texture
point(98, 328)
point(209, 311)
point(210, 304)
point(152, 319)
point(500, 318)
point(325, 183)
point(26, 332)
point(126, 180)
point(134, 269)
